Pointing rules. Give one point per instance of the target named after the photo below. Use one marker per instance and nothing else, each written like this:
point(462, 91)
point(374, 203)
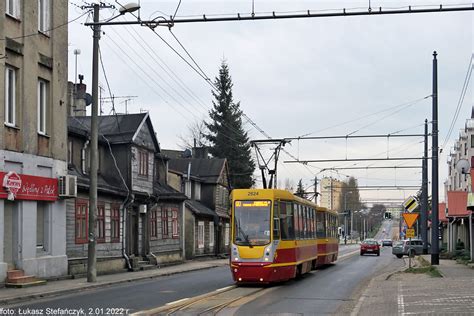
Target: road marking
point(178, 301)
point(401, 303)
point(225, 288)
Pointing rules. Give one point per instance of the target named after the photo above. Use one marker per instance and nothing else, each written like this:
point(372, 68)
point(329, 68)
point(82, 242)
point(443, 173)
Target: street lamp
point(94, 151)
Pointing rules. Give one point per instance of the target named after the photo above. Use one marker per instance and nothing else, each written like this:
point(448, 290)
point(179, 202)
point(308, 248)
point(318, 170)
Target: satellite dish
point(187, 153)
point(462, 166)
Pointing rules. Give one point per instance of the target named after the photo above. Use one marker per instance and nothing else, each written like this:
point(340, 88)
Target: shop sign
point(26, 187)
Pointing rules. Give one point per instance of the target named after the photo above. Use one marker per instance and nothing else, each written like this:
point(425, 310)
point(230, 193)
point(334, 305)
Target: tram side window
point(313, 226)
point(296, 221)
point(333, 225)
point(320, 225)
point(276, 220)
point(286, 221)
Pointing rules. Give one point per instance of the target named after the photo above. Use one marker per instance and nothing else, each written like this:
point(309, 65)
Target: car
point(370, 246)
point(387, 242)
point(408, 248)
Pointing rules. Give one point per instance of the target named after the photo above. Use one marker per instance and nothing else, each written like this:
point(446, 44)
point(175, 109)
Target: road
point(324, 289)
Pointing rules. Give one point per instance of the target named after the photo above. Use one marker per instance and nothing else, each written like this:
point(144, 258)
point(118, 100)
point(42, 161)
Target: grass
point(430, 270)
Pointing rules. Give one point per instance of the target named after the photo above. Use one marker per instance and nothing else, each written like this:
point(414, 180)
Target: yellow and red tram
point(277, 235)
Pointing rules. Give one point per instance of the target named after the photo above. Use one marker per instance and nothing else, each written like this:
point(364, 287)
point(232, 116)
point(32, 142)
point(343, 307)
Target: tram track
point(212, 303)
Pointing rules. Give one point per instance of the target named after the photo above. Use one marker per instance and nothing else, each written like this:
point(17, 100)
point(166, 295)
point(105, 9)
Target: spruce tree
point(226, 134)
point(300, 190)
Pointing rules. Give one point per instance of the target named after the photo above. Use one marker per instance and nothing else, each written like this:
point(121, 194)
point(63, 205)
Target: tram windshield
point(252, 223)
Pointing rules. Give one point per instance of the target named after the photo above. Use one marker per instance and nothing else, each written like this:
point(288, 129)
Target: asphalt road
point(328, 287)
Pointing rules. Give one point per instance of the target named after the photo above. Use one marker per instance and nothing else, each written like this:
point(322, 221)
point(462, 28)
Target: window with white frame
point(12, 8)
point(10, 96)
point(226, 234)
point(43, 16)
point(211, 234)
point(200, 236)
point(42, 105)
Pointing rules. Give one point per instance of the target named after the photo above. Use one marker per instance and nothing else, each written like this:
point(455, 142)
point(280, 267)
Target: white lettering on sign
point(12, 182)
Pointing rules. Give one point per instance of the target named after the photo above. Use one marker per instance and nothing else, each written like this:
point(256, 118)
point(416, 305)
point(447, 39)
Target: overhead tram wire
point(460, 101)
point(108, 87)
point(368, 115)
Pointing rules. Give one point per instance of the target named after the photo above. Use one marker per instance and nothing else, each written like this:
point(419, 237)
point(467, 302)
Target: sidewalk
point(407, 293)
point(61, 287)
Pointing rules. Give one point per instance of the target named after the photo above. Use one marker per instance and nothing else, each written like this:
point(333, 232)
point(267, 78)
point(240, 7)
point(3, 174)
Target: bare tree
point(195, 136)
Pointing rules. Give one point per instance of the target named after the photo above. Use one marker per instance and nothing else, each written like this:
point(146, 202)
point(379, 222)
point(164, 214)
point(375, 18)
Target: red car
point(369, 246)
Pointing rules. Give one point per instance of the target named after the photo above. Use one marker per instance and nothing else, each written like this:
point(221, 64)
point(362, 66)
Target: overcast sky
point(320, 77)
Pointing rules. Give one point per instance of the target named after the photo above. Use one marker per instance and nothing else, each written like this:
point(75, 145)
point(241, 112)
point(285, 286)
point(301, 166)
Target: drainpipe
point(183, 229)
point(83, 156)
point(471, 237)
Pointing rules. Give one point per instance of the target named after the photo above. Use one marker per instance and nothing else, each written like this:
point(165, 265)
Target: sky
point(362, 75)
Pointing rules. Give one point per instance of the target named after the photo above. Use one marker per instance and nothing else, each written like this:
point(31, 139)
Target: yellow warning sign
point(410, 218)
point(410, 233)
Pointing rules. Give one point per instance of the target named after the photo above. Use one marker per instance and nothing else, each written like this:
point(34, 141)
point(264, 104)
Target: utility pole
point(94, 154)
point(434, 169)
point(424, 194)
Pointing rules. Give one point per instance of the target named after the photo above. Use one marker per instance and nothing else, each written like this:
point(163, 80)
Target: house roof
point(102, 184)
point(118, 129)
point(457, 204)
point(200, 209)
point(166, 192)
point(209, 170)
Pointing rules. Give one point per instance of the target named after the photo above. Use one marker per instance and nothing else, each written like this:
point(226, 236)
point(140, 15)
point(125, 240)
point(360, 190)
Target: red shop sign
point(25, 187)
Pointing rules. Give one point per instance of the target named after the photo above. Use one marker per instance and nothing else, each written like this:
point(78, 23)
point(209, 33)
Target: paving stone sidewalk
point(417, 294)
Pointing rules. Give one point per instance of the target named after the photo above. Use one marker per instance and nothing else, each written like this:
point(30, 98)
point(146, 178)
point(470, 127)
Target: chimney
point(201, 152)
point(77, 97)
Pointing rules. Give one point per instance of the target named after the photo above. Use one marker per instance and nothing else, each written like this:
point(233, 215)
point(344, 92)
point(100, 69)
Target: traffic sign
point(410, 233)
point(410, 218)
point(411, 203)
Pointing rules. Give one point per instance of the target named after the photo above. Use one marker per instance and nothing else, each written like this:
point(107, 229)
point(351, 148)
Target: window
point(200, 236)
point(10, 98)
point(142, 163)
point(175, 226)
point(472, 141)
point(211, 234)
point(154, 223)
point(81, 221)
point(320, 225)
point(42, 106)
point(13, 8)
point(100, 223)
point(164, 222)
point(286, 221)
point(43, 16)
point(197, 191)
point(226, 234)
point(115, 223)
point(42, 227)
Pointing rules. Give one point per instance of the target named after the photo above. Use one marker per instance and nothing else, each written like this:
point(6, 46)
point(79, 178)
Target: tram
point(277, 236)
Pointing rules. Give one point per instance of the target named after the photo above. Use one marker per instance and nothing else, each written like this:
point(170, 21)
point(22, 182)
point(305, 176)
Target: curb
point(53, 293)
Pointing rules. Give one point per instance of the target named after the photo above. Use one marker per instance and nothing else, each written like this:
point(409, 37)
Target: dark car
point(387, 243)
point(370, 246)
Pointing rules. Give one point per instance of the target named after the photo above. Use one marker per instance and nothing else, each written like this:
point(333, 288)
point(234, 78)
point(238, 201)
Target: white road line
point(225, 288)
point(401, 302)
point(178, 301)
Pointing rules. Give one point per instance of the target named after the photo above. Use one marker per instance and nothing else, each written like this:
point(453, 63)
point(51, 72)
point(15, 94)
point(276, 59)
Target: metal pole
point(91, 259)
point(424, 194)
point(434, 169)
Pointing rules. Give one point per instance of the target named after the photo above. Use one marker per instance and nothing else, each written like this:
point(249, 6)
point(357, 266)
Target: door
point(8, 245)
point(132, 232)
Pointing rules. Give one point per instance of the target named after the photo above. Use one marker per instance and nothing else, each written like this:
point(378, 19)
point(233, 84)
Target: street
point(324, 290)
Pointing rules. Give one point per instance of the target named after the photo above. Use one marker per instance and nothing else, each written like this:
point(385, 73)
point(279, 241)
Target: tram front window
point(252, 223)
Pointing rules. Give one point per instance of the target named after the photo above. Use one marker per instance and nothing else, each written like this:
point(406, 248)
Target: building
point(33, 137)
point(458, 188)
point(139, 217)
point(331, 190)
point(205, 182)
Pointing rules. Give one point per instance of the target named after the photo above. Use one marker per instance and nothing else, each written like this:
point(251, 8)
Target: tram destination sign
point(252, 203)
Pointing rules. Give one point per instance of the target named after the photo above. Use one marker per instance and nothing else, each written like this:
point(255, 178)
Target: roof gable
point(209, 170)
